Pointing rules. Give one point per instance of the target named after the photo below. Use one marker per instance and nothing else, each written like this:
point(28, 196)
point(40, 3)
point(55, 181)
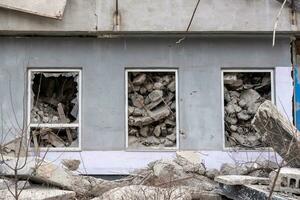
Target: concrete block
point(288, 180)
point(241, 180)
point(5, 183)
point(40, 193)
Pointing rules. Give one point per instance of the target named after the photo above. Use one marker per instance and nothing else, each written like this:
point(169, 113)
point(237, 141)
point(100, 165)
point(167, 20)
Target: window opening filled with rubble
point(151, 109)
point(244, 91)
point(54, 108)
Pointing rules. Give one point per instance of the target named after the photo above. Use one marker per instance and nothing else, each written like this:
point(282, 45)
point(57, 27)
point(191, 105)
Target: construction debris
point(40, 193)
point(241, 180)
point(151, 110)
point(278, 132)
point(243, 94)
point(186, 175)
point(54, 102)
point(251, 192)
point(142, 192)
point(288, 180)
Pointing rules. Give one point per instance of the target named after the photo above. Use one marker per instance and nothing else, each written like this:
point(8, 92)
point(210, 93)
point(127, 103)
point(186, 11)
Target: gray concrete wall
point(96, 17)
point(103, 63)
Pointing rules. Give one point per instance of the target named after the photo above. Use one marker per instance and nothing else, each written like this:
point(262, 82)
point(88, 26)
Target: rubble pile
point(44, 113)
point(54, 101)
point(151, 109)
point(244, 92)
point(181, 178)
point(55, 137)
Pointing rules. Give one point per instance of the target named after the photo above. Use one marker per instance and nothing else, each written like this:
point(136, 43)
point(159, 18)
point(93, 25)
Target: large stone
point(249, 96)
point(278, 132)
point(39, 193)
point(172, 86)
point(232, 108)
point(212, 173)
point(172, 137)
point(250, 192)
point(232, 169)
point(243, 115)
point(190, 162)
point(71, 164)
point(288, 180)
point(155, 95)
point(157, 131)
point(137, 100)
point(45, 172)
point(142, 192)
point(155, 115)
point(241, 180)
point(5, 183)
point(139, 80)
point(144, 131)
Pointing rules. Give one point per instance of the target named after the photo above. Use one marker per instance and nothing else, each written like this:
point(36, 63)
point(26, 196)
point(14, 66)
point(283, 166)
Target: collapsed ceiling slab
point(46, 8)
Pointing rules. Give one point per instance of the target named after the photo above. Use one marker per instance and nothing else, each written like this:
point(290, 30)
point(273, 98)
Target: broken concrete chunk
point(226, 95)
point(154, 116)
point(137, 100)
point(241, 180)
point(157, 131)
point(172, 137)
point(71, 164)
point(139, 80)
point(151, 141)
point(133, 132)
point(172, 86)
point(158, 86)
point(249, 96)
point(142, 192)
point(212, 173)
point(40, 193)
point(155, 95)
point(144, 131)
point(243, 115)
point(278, 132)
point(5, 183)
point(288, 180)
point(149, 87)
point(143, 90)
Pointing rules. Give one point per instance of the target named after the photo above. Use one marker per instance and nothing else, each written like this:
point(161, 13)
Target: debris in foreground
point(278, 132)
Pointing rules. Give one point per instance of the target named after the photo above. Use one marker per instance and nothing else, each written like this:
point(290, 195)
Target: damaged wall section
point(54, 105)
point(151, 109)
point(244, 91)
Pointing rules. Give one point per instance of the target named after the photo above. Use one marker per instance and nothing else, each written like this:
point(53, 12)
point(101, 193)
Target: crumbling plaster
point(95, 17)
point(103, 62)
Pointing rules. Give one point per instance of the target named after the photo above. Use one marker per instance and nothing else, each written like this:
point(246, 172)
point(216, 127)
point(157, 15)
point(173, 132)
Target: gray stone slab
point(241, 180)
point(40, 193)
point(250, 192)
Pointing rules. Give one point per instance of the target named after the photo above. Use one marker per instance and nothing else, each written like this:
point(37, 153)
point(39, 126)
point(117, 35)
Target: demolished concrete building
point(117, 86)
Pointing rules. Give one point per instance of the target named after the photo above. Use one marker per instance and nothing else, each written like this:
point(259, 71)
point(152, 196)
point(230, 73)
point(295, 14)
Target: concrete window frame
point(77, 125)
point(273, 100)
point(160, 69)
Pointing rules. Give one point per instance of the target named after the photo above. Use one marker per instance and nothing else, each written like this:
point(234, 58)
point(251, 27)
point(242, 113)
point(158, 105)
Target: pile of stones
point(244, 92)
point(151, 109)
